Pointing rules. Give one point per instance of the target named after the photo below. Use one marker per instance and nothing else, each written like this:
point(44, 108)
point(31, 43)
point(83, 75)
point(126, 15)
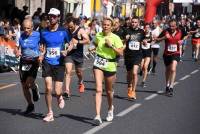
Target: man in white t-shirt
point(155, 45)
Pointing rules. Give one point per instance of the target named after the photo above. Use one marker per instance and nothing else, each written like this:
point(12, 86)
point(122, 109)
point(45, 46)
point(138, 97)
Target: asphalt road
point(151, 113)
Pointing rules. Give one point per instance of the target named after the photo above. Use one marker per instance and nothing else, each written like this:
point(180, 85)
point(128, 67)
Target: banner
point(151, 7)
point(7, 56)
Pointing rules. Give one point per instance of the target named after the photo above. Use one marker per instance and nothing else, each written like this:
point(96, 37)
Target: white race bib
point(172, 48)
point(26, 67)
point(147, 46)
point(133, 45)
point(53, 52)
point(100, 62)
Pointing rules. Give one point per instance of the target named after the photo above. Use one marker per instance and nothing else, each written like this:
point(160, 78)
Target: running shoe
point(143, 84)
point(166, 90)
point(149, 70)
point(61, 102)
point(35, 92)
point(97, 120)
point(30, 108)
point(131, 94)
point(153, 71)
point(81, 88)
point(140, 73)
point(110, 114)
point(170, 93)
point(48, 117)
point(67, 95)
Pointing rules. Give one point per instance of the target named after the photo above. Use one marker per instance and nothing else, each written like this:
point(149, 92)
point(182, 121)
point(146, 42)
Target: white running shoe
point(110, 115)
point(48, 117)
point(61, 102)
point(97, 120)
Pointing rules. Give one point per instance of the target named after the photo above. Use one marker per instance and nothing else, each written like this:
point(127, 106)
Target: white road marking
point(7, 86)
point(185, 77)
point(151, 97)
point(97, 128)
point(131, 108)
point(195, 71)
point(176, 83)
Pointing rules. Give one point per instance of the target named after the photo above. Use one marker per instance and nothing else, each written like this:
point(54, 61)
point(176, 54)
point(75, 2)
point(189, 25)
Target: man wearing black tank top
point(75, 55)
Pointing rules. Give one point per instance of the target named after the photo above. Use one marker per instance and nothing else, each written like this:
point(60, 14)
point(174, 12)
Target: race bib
point(133, 45)
point(172, 48)
point(26, 67)
point(53, 52)
point(197, 35)
point(147, 46)
point(100, 62)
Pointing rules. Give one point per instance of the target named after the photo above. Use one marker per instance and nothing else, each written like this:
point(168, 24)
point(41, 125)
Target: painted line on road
point(97, 128)
point(131, 108)
point(7, 86)
point(176, 83)
point(185, 77)
point(195, 71)
point(151, 97)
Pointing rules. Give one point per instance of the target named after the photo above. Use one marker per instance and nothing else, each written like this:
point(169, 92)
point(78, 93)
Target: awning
point(72, 1)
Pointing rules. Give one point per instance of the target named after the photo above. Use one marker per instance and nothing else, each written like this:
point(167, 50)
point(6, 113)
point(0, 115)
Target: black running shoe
point(153, 71)
point(140, 73)
point(169, 92)
point(143, 84)
point(30, 108)
point(35, 92)
point(66, 95)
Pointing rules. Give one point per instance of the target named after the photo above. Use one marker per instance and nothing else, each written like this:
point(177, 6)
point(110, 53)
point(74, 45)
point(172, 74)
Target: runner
point(75, 56)
point(146, 51)
point(133, 55)
point(28, 50)
point(155, 45)
point(185, 30)
point(53, 39)
point(195, 31)
point(108, 46)
point(173, 39)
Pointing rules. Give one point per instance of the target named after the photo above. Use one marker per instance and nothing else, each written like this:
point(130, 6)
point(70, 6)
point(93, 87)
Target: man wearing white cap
point(54, 40)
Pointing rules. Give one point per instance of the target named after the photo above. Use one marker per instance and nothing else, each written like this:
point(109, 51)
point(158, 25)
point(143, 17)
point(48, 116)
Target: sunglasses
point(52, 16)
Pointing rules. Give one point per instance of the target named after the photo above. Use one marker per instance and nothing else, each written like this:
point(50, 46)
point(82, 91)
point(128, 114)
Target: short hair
point(108, 18)
point(72, 19)
point(172, 20)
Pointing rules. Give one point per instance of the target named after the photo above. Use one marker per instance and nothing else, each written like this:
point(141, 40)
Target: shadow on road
point(78, 118)
point(21, 113)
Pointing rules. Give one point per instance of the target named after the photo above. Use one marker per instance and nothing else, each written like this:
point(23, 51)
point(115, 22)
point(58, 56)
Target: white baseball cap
point(54, 11)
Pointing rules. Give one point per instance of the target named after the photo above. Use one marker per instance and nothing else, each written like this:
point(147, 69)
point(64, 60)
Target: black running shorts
point(129, 62)
point(105, 73)
point(28, 68)
point(169, 58)
point(54, 71)
point(78, 62)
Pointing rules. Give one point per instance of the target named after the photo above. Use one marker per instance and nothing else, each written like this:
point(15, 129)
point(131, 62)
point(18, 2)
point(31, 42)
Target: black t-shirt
point(120, 33)
point(184, 29)
point(133, 44)
point(196, 35)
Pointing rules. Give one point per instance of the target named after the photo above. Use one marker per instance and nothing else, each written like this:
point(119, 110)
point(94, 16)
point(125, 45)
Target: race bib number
point(197, 35)
point(53, 52)
point(147, 46)
point(26, 67)
point(100, 62)
point(133, 45)
point(172, 48)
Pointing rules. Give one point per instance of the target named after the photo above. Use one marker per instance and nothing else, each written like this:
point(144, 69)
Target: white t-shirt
point(156, 32)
